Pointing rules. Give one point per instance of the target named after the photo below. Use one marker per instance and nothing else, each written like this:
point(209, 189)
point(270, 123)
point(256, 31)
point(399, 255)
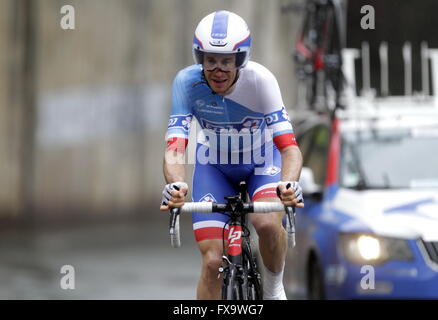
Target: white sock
point(273, 285)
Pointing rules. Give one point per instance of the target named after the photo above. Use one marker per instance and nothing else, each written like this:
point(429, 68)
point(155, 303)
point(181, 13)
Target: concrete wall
point(102, 97)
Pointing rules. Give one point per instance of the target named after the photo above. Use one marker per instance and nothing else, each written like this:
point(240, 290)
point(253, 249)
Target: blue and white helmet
point(222, 32)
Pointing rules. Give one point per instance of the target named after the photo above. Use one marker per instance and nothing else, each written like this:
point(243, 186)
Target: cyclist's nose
point(219, 71)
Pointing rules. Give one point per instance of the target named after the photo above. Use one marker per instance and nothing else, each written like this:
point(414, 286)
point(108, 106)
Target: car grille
point(431, 250)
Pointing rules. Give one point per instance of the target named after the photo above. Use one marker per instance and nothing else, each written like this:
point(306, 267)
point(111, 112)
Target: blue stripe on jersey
point(220, 25)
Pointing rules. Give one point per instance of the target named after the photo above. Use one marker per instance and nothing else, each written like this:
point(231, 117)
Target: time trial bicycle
point(241, 276)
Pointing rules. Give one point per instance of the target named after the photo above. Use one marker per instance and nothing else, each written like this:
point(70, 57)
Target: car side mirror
point(307, 182)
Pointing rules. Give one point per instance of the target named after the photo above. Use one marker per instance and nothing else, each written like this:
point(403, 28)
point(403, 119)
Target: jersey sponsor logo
point(271, 118)
point(219, 29)
point(212, 105)
point(285, 114)
point(277, 116)
point(180, 121)
point(251, 123)
point(200, 103)
point(172, 121)
point(271, 171)
point(208, 198)
point(218, 42)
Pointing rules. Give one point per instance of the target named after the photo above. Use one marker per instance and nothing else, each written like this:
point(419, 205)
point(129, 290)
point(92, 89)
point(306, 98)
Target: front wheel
point(254, 283)
point(230, 287)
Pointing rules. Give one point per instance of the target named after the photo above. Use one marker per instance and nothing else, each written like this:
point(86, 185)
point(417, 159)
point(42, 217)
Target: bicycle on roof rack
point(318, 54)
point(241, 278)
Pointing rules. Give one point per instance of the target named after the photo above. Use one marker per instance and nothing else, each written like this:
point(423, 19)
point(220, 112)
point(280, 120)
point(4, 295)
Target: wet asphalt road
point(112, 260)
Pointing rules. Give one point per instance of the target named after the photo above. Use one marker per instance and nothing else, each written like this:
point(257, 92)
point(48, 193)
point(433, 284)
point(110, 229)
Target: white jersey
point(253, 106)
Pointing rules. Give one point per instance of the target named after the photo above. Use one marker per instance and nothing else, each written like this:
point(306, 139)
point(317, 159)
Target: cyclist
point(231, 97)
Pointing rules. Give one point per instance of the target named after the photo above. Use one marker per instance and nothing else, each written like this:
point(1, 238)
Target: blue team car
point(369, 229)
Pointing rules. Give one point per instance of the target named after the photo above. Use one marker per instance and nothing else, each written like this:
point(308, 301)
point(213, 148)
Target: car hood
point(406, 214)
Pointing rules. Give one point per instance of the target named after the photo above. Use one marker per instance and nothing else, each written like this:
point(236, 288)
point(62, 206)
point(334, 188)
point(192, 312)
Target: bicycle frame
point(238, 259)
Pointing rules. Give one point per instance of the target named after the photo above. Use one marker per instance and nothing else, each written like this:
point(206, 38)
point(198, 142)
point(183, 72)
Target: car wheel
point(315, 282)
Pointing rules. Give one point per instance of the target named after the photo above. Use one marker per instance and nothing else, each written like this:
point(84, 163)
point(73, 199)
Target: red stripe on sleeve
point(285, 140)
point(177, 144)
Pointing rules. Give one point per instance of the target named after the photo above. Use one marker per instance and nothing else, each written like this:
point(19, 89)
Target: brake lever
point(290, 221)
point(174, 227)
point(290, 226)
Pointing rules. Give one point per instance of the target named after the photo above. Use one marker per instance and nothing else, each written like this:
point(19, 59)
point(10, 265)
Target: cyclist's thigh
point(264, 180)
point(211, 185)
point(262, 186)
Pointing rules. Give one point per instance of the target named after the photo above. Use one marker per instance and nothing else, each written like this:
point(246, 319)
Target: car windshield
point(399, 158)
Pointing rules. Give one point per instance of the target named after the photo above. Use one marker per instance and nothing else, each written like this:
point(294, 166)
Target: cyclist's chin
point(220, 87)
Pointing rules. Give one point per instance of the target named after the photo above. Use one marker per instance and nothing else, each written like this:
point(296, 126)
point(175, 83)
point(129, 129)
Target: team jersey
point(253, 106)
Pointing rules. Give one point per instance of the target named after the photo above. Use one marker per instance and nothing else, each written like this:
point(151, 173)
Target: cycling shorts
point(213, 182)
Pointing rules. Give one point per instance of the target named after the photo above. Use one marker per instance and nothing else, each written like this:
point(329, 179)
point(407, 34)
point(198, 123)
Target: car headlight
point(371, 249)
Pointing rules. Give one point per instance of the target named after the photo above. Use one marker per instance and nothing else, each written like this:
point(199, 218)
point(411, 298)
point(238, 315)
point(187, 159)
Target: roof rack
point(368, 94)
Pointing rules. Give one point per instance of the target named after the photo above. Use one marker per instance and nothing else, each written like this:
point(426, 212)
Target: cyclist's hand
point(173, 195)
point(290, 193)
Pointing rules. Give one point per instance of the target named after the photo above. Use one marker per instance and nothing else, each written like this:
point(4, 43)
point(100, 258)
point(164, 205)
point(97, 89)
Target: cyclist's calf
point(272, 238)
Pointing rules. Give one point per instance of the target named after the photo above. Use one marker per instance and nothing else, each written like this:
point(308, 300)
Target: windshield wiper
point(362, 183)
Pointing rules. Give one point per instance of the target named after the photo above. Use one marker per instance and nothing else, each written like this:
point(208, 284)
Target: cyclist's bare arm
point(173, 166)
point(291, 163)
point(174, 171)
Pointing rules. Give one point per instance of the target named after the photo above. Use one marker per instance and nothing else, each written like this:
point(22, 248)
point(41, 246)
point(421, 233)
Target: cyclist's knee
point(211, 252)
point(211, 263)
point(267, 226)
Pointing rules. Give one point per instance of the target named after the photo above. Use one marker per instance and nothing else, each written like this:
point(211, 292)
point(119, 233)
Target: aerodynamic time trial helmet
point(222, 32)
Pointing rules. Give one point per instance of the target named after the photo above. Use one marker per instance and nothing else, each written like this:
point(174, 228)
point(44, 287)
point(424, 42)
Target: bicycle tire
point(320, 35)
point(306, 44)
point(332, 46)
point(253, 287)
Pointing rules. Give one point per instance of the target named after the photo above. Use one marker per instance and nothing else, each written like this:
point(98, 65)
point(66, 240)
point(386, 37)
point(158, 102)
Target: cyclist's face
point(220, 71)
